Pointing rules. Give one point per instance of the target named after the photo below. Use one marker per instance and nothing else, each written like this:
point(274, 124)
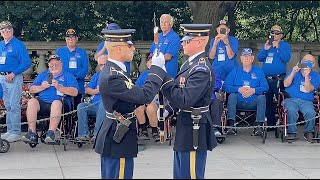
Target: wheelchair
point(4, 144)
point(91, 124)
point(245, 118)
point(282, 130)
point(63, 126)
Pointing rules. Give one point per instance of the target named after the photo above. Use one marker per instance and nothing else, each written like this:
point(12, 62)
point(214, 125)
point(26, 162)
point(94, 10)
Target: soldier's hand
point(158, 60)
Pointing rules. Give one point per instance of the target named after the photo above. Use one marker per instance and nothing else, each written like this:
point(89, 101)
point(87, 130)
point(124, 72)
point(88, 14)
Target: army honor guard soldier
point(190, 94)
point(116, 140)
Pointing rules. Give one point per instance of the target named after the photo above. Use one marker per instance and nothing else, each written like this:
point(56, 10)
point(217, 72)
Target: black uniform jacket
point(119, 94)
point(196, 92)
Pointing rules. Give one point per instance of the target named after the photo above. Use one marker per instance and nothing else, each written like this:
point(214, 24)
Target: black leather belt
point(202, 109)
point(275, 77)
point(126, 115)
point(4, 73)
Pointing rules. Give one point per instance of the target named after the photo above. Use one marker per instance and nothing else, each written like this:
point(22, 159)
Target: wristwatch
point(226, 44)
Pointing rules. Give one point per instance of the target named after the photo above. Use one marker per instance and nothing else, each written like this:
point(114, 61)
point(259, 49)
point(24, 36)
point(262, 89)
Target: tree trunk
point(211, 12)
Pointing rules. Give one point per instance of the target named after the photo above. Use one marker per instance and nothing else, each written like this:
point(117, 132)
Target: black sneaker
point(144, 135)
point(308, 137)
point(156, 136)
point(50, 137)
point(30, 137)
point(291, 137)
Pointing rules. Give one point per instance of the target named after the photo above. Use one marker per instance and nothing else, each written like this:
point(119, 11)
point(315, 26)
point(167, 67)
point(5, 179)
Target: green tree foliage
point(49, 20)
point(298, 19)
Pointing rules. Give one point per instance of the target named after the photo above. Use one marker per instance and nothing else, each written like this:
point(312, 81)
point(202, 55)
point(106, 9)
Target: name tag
point(303, 88)
point(221, 57)
point(59, 93)
point(2, 60)
point(72, 63)
point(269, 60)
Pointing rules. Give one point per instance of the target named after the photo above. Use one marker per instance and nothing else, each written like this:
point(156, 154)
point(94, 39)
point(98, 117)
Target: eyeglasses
point(275, 33)
point(188, 41)
point(6, 30)
point(129, 45)
point(53, 65)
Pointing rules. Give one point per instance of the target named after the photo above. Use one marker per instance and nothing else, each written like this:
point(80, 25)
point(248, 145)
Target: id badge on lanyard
point(72, 63)
point(269, 58)
point(3, 58)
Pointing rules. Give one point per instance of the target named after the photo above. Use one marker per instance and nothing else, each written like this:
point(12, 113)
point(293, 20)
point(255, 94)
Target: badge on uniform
point(182, 82)
point(129, 84)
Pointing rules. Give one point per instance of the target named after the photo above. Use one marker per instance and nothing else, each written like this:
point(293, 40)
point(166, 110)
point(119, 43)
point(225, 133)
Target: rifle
point(161, 99)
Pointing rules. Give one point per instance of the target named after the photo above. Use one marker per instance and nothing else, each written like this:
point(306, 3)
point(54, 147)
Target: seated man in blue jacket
point(95, 107)
point(51, 85)
point(150, 109)
point(246, 85)
point(300, 84)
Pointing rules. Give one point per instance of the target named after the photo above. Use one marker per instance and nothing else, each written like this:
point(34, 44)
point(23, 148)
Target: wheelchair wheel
point(264, 135)
point(220, 140)
point(42, 136)
point(4, 146)
point(79, 144)
point(64, 143)
point(282, 135)
point(277, 132)
point(32, 145)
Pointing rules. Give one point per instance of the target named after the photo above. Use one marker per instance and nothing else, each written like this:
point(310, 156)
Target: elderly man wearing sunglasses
point(274, 55)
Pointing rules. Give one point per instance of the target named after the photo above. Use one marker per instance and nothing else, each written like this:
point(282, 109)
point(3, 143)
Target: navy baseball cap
point(54, 57)
point(223, 22)
point(71, 32)
point(195, 30)
point(246, 51)
point(112, 26)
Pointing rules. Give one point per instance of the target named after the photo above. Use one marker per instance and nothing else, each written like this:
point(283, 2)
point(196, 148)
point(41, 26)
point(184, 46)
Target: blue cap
point(246, 51)
point(120, 35)
point(112, 26)
point(195, 30)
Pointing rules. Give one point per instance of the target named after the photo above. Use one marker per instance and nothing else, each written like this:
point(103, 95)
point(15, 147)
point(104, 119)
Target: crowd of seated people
point(247, 86)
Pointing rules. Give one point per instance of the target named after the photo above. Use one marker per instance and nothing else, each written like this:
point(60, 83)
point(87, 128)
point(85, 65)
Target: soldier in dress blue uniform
point(190, 92)
point(120, 98)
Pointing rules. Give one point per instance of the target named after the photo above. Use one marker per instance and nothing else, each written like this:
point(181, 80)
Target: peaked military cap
point(195, 30)
point(119, 35)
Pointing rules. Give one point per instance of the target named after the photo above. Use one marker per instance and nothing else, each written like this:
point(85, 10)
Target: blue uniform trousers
point(189, 165)
point(116, 168)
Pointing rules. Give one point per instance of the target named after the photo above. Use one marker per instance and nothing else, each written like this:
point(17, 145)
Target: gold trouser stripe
point(193, 164)
point(121, 168)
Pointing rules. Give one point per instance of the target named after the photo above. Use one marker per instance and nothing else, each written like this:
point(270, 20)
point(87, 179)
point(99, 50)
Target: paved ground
point(239, 157)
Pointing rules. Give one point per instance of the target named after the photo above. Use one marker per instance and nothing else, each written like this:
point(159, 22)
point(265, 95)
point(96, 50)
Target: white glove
point(165, 114)
point(159, 60)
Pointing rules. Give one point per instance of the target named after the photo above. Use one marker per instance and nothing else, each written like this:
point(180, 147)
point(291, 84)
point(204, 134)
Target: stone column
point(41, 62)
